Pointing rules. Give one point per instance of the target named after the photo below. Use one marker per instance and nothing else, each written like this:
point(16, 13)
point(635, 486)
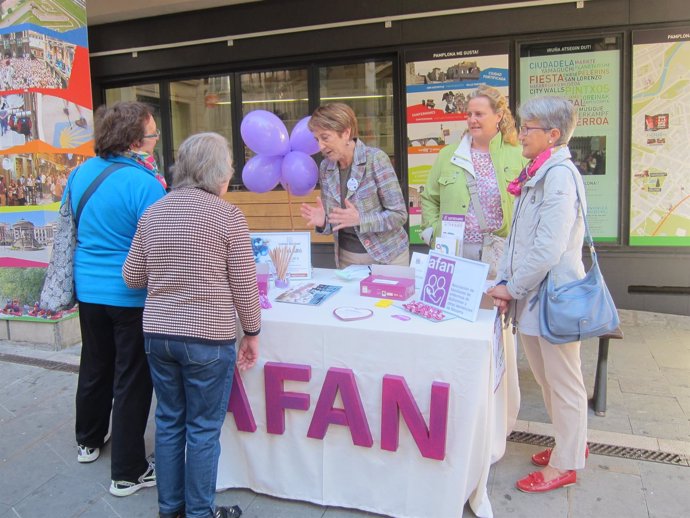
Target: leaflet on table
point(354, 272)
point(299, 242)
point(452, 234)
point(447, 246)
point(310, 294)
point(419, 262)
point(454, 285)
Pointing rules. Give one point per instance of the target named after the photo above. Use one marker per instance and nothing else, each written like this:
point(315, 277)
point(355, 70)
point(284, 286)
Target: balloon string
point(292, 225)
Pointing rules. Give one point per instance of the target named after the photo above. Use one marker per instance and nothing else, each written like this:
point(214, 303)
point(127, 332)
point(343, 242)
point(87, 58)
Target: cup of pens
point(281, 256)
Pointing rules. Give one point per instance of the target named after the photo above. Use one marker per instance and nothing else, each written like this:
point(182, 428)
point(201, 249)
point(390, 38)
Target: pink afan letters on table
point(239, 405)
point(277, 400)
point(398, 399)
point(351, 415)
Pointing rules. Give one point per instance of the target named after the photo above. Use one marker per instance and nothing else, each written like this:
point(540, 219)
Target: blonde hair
point(499, 105)
point(337, 117)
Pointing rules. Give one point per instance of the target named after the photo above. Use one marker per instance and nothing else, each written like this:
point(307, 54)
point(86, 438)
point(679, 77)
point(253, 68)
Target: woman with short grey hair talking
point(193, 253)
point(546, 239)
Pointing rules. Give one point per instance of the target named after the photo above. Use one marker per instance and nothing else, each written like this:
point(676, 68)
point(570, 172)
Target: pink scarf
point(147, 161)
point(515, 187)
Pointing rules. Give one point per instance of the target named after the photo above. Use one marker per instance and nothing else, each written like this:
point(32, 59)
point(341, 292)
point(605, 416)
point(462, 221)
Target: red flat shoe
point(535, 483)
point(542, 458)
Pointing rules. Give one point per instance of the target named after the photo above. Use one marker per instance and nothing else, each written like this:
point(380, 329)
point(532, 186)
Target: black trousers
point(114, 375)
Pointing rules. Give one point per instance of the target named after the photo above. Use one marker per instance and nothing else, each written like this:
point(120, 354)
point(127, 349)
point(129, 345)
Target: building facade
point(204, 70)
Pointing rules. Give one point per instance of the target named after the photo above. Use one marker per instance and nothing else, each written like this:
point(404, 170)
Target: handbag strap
point(92, 188)
point(588, 234)
point(474, 196)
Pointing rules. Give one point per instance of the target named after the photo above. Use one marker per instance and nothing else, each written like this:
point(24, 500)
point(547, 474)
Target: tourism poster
point(438, 82)
point(46, 130)
point(660, 140)
point(588, 73)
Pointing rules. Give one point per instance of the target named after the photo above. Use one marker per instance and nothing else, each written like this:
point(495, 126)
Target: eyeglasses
point(524, 130)
point(157, 134)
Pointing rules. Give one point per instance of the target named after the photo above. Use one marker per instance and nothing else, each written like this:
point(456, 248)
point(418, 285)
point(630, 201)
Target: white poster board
point(300, 242)
point(454, 285)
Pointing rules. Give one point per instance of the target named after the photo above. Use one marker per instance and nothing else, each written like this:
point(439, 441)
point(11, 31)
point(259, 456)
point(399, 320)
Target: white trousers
point(558, 372)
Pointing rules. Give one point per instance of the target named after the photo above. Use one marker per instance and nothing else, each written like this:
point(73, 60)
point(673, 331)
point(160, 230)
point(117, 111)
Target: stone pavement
point(648, 407)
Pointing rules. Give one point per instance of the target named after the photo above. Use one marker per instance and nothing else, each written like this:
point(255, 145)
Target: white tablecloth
point(334, 471)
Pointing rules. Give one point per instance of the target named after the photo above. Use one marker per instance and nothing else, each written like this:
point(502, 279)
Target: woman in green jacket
point(488, 157)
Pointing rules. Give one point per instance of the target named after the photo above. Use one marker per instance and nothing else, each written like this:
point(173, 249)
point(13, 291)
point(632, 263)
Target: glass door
point(283, 92)
point(149, 94)
point(368, 89)
point(199, 105)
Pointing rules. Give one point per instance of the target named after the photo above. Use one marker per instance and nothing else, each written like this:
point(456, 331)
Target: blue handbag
point(580, 309)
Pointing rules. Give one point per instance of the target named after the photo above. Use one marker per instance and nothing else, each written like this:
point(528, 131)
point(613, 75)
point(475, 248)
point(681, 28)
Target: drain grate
point(596, 448)
point(37, 362)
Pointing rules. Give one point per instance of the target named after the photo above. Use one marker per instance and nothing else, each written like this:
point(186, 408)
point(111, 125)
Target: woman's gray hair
point(204, 160)
point(551, 112)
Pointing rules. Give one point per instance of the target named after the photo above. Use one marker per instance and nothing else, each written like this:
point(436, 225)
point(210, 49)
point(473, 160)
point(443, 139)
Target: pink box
point(387, 287)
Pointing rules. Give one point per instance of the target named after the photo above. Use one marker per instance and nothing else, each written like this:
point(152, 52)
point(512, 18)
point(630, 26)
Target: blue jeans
point(192, 382)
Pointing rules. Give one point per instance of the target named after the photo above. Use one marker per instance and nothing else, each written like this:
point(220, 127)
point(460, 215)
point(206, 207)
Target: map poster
point(438, 81)
point(588, 73)
point(660, 140)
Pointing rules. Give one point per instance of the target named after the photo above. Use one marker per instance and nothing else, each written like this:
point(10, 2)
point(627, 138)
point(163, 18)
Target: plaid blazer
point(378, 198)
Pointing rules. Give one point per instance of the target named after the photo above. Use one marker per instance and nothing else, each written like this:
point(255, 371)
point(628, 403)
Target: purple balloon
point(300, 173)
point(265, 134)
point(261, 173)
point(302, 139)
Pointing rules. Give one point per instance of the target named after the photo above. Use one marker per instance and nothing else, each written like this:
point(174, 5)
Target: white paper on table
point(453, 225)
point(499, 352)
point(419, 262)
point(446, 245)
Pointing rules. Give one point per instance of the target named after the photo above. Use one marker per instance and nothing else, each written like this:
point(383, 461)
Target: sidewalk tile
point(339, 512)
point(506, 500)
point(67, 496)
point(666, 489)
point(264, 506)
point(656, 416)
point(601, 492)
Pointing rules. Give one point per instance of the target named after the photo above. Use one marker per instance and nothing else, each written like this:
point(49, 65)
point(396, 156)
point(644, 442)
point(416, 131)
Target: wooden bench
point(275, 211)
point(601, 376)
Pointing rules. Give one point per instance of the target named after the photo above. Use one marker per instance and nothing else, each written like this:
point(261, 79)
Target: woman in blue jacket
point(113, 373)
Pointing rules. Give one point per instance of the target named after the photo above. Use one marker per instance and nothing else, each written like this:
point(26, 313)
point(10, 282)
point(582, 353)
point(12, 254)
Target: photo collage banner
point(46, 130)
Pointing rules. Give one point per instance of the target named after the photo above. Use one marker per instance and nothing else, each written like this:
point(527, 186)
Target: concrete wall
point(53, 335)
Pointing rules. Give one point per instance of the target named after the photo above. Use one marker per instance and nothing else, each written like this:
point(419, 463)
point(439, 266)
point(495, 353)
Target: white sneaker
point(126, 488)
point(86, 454)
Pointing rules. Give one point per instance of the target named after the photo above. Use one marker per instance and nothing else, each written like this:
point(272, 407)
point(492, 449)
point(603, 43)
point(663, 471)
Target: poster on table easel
point(454, 285)
point(296, 244)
